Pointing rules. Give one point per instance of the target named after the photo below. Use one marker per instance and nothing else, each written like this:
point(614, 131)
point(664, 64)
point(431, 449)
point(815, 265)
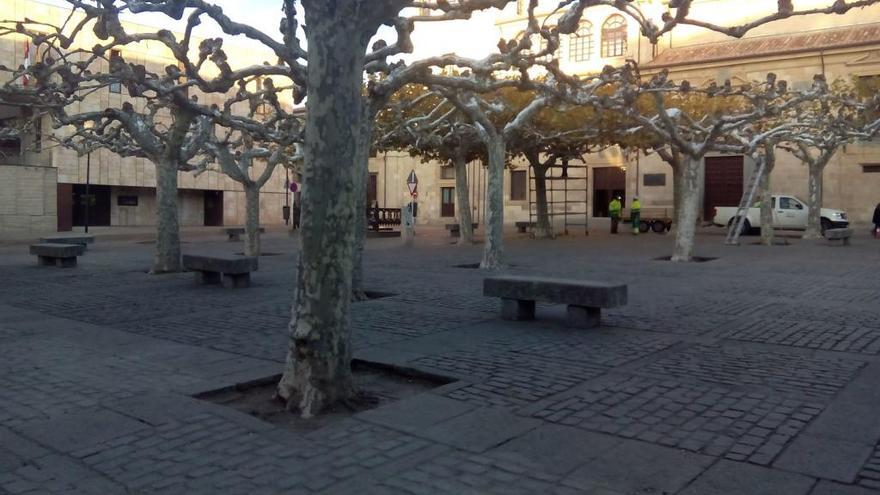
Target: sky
point(475, 38)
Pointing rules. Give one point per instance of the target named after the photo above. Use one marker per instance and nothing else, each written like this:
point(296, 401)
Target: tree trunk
point(360, 222)
point(687, 210)
point(494, 248)
point(462, 197)
point(167, 222)
point(318, 369)
point(767, 231)
point(543, 227)
point(677, 189)
point(252, 219)
point(814, 200)
point(407, 226)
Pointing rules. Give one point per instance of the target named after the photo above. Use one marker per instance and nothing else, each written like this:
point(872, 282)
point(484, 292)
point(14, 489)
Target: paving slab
point(637, 467)
point(735, 478)
point(715, 378)
point(76, 430)
point(559, 449)
point(480, 429)
point(832, 488)
point(825, 457)
point(416, 414)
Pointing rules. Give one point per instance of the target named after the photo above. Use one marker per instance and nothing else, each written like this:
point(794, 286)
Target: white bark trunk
point(462, 197)
point(360, 224)
point(493, 251)
point(814, 200)
point(767, 230)
point(407, 227)
point(687, 211)
point(318, 368)
point(167, 257)
point(543, 227)
point(252, 220)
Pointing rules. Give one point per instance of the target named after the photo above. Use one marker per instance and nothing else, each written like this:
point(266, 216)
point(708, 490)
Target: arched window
point(580, 44)
point(614, 36)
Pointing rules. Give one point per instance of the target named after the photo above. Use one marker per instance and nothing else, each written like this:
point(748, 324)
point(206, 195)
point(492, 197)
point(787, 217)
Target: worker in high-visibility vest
point(635, 214)
point(614, 212)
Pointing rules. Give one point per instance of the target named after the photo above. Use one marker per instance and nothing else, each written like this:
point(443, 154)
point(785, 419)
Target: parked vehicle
point(789, 213)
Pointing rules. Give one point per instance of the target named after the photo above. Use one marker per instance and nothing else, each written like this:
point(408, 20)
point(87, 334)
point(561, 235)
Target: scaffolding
point(567, 197)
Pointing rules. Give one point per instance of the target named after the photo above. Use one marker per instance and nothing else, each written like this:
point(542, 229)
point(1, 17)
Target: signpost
point(409, 212)
point(412, 182)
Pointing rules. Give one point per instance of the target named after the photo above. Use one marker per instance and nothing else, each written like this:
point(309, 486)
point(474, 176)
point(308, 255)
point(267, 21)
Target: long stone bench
point(229, 271)
point(455, 229)
point(522, 227)
point(842, 235)
point(235, 233)
point(78, 239)
point(53, 254)
point(585, 299)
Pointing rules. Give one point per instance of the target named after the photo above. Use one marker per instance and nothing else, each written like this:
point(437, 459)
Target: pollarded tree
point(826, 125)
point(497, 124)
point(318, 364)
point(693, 137)
point(161, 121)
point(236, 150)
point(170, 139)
point(318, 367)
point(558, 133)
point(423, 124)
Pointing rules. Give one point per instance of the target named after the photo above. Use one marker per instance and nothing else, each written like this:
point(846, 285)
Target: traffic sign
point(412, 182)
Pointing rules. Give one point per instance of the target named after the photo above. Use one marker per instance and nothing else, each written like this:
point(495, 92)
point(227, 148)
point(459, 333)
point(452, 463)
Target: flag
point(25, 79)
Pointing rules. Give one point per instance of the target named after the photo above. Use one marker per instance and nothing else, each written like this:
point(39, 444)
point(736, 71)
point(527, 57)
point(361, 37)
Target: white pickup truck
point(789, 213)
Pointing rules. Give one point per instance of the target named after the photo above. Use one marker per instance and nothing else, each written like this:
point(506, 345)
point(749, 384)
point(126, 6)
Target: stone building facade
point(40, 191)
point(41, 187)
point(839, 46)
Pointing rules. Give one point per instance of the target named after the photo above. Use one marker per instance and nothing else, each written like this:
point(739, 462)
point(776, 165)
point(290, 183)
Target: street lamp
point(286, 196)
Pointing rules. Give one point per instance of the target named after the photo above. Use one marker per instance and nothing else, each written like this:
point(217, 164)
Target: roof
point(782, 44)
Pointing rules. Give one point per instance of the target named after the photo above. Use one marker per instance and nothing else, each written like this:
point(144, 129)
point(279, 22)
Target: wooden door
point(608, 182)
point(447, 201)
point(724, 183)
point(213, 208)
point(64, 202)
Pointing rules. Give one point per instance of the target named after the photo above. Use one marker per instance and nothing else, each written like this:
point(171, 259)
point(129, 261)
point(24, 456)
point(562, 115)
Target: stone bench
point(54, 254)
point(842, 235)
point(455, 229)
point(522, 227)
point(235, 233)
point(77, 239)
point(229, 271)
point(585, 299)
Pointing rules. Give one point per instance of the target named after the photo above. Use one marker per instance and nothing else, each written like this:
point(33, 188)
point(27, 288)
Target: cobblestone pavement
point(754, 373)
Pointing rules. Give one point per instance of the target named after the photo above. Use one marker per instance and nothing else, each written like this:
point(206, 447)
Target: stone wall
point(27, 201)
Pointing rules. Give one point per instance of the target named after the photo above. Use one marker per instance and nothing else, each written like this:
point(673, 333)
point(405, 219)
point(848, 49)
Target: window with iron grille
point(580, 44)
point(614, 36)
